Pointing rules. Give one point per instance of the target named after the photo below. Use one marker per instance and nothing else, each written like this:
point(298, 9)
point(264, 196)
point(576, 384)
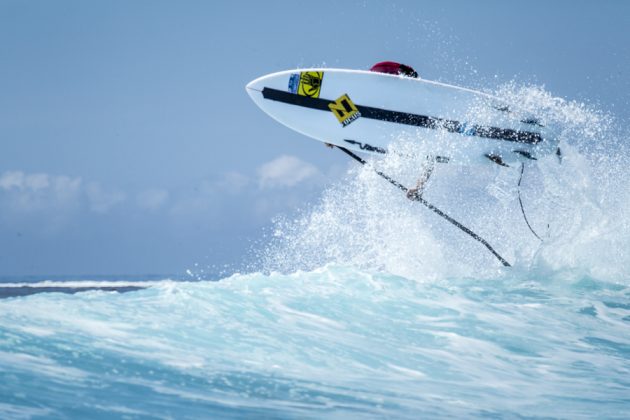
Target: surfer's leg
point(415, 193)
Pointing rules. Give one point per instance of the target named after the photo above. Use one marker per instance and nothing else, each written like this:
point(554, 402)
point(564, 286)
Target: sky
point(129, 145)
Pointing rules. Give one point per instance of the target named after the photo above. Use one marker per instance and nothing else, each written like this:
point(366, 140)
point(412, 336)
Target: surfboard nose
point(255, 88)
point(259, 83)
point(251, 90)
point(253, 85)
point(278, 81)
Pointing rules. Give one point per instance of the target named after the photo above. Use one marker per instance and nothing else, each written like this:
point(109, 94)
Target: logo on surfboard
point(308, 83)
point(294, 82)
point(344, 109)
point(365, 146)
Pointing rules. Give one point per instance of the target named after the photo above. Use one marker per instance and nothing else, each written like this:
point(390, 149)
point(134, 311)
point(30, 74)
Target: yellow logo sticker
point(345, 111)
point(310, 83)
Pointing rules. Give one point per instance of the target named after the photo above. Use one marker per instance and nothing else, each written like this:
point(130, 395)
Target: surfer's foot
point(414, 193)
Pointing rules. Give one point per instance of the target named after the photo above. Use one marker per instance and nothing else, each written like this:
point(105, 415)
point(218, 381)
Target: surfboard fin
point(497, 159)
point(525, 154)
point(532, 121)
point(520, 201)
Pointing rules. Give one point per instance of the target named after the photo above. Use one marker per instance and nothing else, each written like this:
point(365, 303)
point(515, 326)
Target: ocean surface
point(364, 305)
point(336, 342)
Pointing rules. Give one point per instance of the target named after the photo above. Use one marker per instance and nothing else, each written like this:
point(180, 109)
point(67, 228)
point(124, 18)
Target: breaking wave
point(336, 342)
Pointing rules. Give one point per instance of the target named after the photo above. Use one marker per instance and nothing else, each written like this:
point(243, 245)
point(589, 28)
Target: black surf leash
point(431, 207)
point(521, 203)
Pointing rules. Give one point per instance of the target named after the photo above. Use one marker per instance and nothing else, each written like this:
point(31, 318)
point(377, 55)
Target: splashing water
point(579, 206)
point(368, 305)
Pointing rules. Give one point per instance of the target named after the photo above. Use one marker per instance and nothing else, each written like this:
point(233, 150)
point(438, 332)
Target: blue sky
point(129, 145)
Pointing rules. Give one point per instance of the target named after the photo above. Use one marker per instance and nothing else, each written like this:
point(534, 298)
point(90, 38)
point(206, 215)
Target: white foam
point(581, 208)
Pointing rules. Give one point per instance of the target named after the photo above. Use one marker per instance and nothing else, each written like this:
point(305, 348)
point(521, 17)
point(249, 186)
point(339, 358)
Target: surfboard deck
point(370, 112)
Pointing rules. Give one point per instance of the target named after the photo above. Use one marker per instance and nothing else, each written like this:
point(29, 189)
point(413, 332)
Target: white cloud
point(44, 192)
point(233, 182)
point(38, 201)
point(65, 187)
point(18, 180)
point(33, 192)
point(152, 199)
point(11, 180)
point(285, 171)
point(101, 200)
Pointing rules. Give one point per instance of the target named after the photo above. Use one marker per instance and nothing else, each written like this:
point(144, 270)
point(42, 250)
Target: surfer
point(391, 67)
point(388, 108)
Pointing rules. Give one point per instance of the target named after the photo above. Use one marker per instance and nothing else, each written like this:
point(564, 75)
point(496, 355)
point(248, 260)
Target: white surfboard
point(368, 112)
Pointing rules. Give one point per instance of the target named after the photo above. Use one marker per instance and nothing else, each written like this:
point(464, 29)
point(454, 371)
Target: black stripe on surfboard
point(406, 118)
